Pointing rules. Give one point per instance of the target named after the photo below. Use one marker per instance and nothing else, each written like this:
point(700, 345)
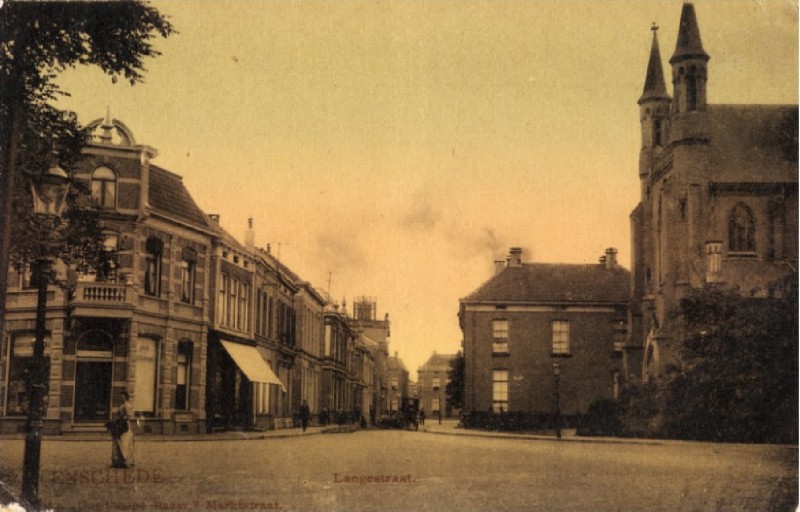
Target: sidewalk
point(217, 436)
point(450, 427)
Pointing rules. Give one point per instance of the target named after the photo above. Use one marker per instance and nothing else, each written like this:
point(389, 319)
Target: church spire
point(654, 85)
point(689, 45)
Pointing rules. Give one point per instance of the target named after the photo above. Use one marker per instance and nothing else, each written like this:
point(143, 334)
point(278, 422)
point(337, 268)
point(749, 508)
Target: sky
point(398, 148)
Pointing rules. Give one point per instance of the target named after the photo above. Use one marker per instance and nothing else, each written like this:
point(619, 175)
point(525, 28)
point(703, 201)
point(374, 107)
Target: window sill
point(560, 354)
point(501, 354)
point(742, 255)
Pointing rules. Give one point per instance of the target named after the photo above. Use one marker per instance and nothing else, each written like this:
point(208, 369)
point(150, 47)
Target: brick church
point(718, 197)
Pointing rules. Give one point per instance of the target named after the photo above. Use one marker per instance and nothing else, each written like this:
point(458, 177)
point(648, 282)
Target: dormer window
point(104, 188)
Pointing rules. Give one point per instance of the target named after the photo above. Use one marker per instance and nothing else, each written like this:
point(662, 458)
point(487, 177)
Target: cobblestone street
point(400, 470)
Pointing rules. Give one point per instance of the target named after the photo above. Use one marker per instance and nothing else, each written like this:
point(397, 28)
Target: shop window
point(20, 358)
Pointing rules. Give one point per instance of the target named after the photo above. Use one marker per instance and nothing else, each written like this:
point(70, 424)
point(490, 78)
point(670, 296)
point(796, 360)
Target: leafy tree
point(738, 378)
point(37, 41)
point(455, 387)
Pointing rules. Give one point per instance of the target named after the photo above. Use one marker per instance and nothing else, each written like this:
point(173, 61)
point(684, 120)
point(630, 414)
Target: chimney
point(515, 257)
point(499, 265)
point(611, 258)
point(214, 217)
point(250, 236)
point(269, 248)
point(395, 354)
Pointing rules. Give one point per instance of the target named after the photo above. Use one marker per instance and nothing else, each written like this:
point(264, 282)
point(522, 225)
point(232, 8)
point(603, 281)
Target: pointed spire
point(107, 127)
point(689, 44)
point(654, 86)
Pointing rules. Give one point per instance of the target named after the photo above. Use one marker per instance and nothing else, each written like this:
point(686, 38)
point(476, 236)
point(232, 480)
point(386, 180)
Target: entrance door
point(93, 376)
point(92, 391)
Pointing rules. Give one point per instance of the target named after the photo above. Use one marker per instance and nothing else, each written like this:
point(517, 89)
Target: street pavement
point(439, 467)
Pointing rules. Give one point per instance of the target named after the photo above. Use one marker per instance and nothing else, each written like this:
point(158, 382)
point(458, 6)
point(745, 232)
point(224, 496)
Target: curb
point(147, 438)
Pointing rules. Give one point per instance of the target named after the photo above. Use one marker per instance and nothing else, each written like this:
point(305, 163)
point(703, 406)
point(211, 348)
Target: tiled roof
point(168, 195)
point(437, 361)
point(548, 283)
point(395, 363)
point(761, 138)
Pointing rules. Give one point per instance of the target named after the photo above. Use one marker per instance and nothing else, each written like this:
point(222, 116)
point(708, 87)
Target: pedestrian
point(305, 413)
point(422, 416)
point(122, 435)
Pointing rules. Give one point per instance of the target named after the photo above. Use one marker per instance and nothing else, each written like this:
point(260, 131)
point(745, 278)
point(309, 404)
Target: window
point(434, 405)
point(20, 357)
point(394, 382)
point(436, 384)
point(188, 266)
point(560, 337)
point(741, 230)
point(499, 390)
point(183, 377)
point(500, 336)
point(106, 270)
point(152, 270)
point(692, 89)
point(104, 187)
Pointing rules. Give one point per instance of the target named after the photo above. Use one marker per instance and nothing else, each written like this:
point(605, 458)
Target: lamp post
point(49, 192)
point(557, 378)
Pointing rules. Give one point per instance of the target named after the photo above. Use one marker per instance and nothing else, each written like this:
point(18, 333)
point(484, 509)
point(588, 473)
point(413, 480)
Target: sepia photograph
point(399, 255)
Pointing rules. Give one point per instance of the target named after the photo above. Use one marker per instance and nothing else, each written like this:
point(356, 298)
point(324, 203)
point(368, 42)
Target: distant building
point(529, 316)
point(433, 377)
point(397, 378)
point(375, 334)
point(718, 198)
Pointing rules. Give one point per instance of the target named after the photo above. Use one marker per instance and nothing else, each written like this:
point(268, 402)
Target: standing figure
point(122, 435)
point(422, 417)
point(305, 414)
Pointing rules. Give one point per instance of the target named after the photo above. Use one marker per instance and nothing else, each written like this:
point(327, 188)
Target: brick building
point(718, 197)
point(141, 327)
point(531, 315)
point(433, 377)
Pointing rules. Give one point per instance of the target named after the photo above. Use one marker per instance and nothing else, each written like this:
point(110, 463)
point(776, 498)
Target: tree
point(738, 377)
point(37, 41)
point(455, 386)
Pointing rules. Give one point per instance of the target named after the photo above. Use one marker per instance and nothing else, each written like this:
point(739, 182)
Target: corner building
point(141, 327)
point(718, 205)
point(529, 316)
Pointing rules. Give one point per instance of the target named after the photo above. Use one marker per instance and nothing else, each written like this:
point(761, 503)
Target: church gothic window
point(741, 230)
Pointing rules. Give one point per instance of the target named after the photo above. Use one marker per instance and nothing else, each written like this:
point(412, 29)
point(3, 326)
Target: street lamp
point(49, 192)
point(557, 378)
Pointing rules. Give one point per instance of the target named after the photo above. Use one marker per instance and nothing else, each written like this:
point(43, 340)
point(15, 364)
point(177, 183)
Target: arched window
point(741, 230)
point(104, 187)
point(691, 92)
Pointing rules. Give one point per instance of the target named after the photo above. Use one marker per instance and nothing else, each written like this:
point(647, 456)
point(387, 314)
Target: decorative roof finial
point(654, 27)
point(107, 127)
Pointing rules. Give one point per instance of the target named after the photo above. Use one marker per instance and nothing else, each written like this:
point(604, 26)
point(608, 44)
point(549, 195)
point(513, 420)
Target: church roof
point(689, 44)
point(167, 194)
point(555, 283)
point(654, 86)
point(761, 139)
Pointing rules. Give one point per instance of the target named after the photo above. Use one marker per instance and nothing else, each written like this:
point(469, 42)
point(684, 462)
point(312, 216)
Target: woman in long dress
point(122, 446)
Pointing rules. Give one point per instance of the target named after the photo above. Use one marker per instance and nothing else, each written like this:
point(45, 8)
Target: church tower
point(689, 76)
point(654, 107)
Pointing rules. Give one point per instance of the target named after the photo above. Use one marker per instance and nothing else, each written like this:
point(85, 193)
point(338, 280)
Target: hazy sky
point(403, 146)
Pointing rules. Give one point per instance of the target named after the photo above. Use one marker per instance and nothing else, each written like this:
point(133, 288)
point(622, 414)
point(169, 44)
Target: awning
point(251, 363)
